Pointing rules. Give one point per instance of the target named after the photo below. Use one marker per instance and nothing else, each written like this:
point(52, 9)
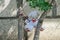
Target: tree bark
point(25, 35)
point(54, 9)
point(19, 3)
point(40, 21)
point(37, 32)
point(20, 28)
point(20, 20)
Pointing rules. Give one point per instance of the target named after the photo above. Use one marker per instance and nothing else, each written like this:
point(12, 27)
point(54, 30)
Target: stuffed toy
point(31, 21)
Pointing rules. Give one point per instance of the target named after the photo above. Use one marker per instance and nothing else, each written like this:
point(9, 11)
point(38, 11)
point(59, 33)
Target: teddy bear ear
point(33, 14)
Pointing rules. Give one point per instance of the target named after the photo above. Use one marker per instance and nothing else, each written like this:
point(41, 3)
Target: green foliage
point(41, 4)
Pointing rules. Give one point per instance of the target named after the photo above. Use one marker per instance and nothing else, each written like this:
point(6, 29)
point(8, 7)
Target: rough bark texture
point(37, 32)
point(36, 35)
point(54, 9)
point(20, 28)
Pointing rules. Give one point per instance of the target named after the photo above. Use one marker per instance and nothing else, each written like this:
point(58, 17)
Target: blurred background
point(9, 27)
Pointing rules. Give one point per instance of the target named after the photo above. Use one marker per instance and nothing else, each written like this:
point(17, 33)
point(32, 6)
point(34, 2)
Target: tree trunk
point(25, 35)
point(20, 20)
point(37, 32)
point(40, 21)
point(20, 28)
point(19, 3)
point(54, 9)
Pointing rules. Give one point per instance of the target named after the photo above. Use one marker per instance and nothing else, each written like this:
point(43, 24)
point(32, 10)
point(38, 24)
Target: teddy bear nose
point(33, 20)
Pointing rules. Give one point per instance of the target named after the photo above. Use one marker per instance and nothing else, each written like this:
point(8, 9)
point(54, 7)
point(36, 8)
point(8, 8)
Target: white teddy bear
point(32, 21)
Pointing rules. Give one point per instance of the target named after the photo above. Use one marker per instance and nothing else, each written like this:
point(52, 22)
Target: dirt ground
point(51, 32)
